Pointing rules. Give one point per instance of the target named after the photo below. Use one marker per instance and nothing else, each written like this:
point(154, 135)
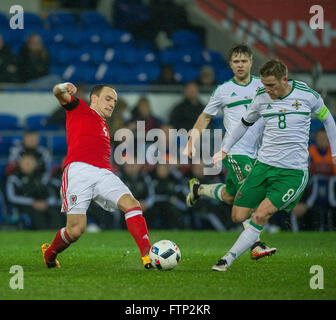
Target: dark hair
point(240, 49)
point(98, 88)
point(28, 153)
point(274, 67)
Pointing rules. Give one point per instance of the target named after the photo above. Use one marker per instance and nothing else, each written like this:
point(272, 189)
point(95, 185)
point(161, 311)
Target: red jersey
point(88, 137)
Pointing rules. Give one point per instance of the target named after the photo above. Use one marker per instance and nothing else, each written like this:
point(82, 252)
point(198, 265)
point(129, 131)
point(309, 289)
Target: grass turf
point(107, 265)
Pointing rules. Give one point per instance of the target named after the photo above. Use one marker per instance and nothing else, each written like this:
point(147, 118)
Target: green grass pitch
point(107, 265)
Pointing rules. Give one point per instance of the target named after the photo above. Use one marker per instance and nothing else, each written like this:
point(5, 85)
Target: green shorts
point(283, 187)
point(238, 168)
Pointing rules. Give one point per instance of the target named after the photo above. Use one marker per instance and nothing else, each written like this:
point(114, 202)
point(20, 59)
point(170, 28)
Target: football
point(165, 255)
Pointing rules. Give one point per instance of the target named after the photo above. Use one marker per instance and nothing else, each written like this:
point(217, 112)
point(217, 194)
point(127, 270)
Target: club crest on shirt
point(296, 104)
point(73, 199)
point(247, 168)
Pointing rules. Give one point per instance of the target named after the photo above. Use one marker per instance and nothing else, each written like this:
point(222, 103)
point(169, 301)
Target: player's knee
point(236, 218)
point(127, 202)
point(261, 217)
point(235, 215)
point(75, 232)
point(240, 214)
point(227, 198)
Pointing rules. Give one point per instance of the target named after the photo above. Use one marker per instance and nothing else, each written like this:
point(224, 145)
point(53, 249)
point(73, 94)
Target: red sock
point(136, 225)
point(62, 241)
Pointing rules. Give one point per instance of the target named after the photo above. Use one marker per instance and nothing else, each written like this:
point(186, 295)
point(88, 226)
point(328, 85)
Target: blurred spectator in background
point(208, 213)
point(3, 209)
point(58, 116)
point(185, 113)
point(30, 143)
point(136, 178)
point(142, 112)
point(31, 199)
point(207, 77)
point(315, 210)
point(8, 64)
point(320, 155)
point(167, 210)
point(167, 76)
point(33, 59)
point(117, 121)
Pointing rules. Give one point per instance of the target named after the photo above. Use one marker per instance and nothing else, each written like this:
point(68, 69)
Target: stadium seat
point(32, 21)
point(59, 146)
point(91, 38)
point(141, 74)
point(315, 125)
point(43, 141)
point(93, 20)
point(4, 22)
point(5, 144)
point(223, 74)
point(64, 55)
point(218, 123)
point(118, 39)
point(110, 73)
point(14, 38)
point(174, 56)
point(9, 122)
point(186, 38)
point(3, 165)
point(59, 20)
point(186, 73)
point(214, 58)
point(139, 56)
point(39, 122)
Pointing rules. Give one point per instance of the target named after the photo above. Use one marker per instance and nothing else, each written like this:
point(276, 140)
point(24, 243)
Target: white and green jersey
point(287, 125)
point(234, 99)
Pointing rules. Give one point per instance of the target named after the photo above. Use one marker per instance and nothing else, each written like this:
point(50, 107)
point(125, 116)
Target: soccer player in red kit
point(87, 172)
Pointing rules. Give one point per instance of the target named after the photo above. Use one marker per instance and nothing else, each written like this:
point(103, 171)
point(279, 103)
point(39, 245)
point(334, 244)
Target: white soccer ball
point(165, 255)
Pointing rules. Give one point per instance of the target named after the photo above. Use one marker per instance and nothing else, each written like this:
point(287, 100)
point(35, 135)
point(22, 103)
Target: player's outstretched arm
point(201, 123)
point(64, 91)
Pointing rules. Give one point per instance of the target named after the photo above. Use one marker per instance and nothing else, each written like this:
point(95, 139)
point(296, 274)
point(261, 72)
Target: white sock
point(246, 223)
point(213, 191)
point(246, 239)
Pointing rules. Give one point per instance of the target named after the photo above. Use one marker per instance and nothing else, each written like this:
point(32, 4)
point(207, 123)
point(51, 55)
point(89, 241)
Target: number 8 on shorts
point(288, 195)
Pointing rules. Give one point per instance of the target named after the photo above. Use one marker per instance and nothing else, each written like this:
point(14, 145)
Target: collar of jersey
point(242, 85)
point(98, 113)
point(293, 86)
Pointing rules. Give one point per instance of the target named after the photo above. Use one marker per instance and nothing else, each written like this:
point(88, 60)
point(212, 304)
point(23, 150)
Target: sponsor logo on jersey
point(269, 107)
point(233, 94)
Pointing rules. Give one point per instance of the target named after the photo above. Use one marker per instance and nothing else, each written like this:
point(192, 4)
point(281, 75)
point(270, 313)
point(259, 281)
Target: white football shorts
point(82, 182)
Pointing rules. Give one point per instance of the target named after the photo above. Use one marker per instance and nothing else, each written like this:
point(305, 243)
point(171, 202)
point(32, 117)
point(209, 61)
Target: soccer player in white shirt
point(280, 174)
point(234, 97)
